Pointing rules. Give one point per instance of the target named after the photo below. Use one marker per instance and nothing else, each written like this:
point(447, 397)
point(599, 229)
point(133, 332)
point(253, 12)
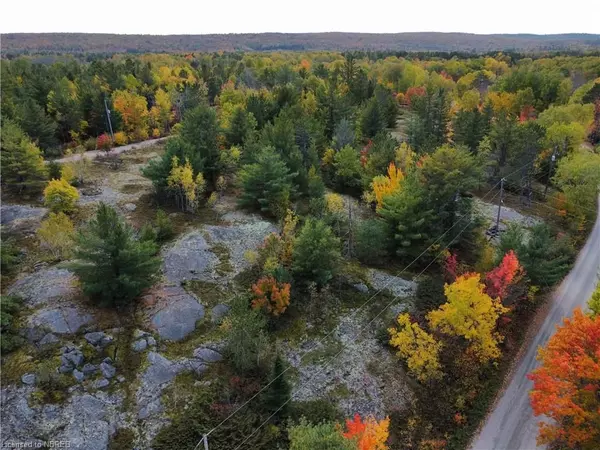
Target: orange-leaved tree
point(508, 273)
point(566, 387)
point(369, 434)
point(472, 314)
point(271, 295)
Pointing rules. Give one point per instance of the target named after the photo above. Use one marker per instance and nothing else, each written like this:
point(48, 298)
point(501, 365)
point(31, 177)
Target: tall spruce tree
point(278, 393)
point(267, 184)
point(22, 164)
point(111, 264)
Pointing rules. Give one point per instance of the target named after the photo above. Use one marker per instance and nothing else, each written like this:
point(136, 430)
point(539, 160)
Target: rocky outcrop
point(61, 320)
point(190, 258)
point(86, 421)
point(45, 286)
point(397, 286)
point(174, 313)
point(22, 218)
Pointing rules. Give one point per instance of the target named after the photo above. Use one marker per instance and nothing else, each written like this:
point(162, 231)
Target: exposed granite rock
point(395, 285)
point(23, 218)
point(176, 313)
point(79, 376)
point(207, 355)
point(48, 339)
point(139, 346)
point(218, 312)
point(45, 285)
point(159, 372)
point(28, 378)
point(107, 370)
point(67, 320)
point(189, 258)
point(361, 287)
point(101, 383)
point(85, 421)
point(239, 239)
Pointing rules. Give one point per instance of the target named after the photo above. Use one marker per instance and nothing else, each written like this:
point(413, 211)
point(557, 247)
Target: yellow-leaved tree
point(387, 185)
point(60, 196)
point(133, 109)
point(419, 348)
point(56, 233)
point(185, 187)
point(471, 313)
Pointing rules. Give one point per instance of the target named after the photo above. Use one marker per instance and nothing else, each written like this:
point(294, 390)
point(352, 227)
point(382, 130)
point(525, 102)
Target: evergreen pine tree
point(278, 392)
point(267, 184)
point(111, 264)
point(200, 130)
point(37, 124)
point(22, 164)
point(316, 252)
point(241, 125)
point(372, 121)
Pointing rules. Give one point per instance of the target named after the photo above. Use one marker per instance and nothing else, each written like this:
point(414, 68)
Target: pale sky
point(256, 16)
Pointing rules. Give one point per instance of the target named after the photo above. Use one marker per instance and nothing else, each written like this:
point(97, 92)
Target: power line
point(359, 334)
point(555, 198)
point(385, 286)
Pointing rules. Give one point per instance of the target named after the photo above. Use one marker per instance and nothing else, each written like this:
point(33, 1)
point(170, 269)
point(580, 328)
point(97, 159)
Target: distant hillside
point(441, 42)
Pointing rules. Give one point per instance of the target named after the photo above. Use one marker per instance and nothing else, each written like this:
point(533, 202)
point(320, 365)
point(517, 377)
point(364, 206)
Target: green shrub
point(248, 344)
point(163, 226)
point(430, 294)
point(372, 241)
point(315, 411)
point(316, 255)
point(326, 436)
point(9, 310)
point(123, 439)
point(90, 144)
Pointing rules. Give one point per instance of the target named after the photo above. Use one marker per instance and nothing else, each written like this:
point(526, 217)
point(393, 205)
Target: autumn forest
point(295, 250)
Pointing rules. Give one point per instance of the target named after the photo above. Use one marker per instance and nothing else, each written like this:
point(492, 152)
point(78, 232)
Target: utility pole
point(550, 170)
point(112, 136)
point(500, 205)
point(350, 228)
point(203, 441)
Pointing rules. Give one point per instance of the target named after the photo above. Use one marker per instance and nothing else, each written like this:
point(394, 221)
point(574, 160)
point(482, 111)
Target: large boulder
point(61, 320)
point(44, 286)
point(22, 218)
point(175, 314)
point(189, 258)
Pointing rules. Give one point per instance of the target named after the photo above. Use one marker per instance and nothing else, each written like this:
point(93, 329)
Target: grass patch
point(224, 267)
point(339, 391)
point(209, 294)
point(294, 333)
point(17, 364)
point(177, 395)
point(205, 331)
point(123, 439)
point(132, 188)
point(328, 351)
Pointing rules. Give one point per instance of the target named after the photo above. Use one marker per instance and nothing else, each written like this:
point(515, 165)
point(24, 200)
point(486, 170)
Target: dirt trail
point(115, 151)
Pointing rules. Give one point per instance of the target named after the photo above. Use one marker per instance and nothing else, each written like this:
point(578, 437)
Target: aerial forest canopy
point(231, 223)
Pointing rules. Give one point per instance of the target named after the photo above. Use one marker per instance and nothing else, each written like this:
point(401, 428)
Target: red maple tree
point(566, 387)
